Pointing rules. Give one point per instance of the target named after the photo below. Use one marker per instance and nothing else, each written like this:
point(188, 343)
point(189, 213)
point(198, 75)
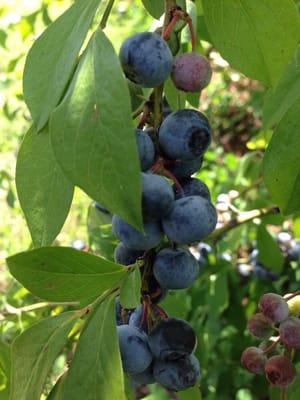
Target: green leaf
point(5, 361)
point(281, 166)
point(285, 95)
point(56, 392)
point(269, 252)
point(52, 59)
point(176, 98)
point(257, 37)
point(130, 295)
point(44, 192)
point(96, 371)
point(217, 297)
point(192, 393)
point(154, 7)
point(64, 274)
point(34, 352)
point(93, 136)
point(101, 238)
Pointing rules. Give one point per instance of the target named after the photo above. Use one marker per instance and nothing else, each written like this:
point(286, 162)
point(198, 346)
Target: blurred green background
point(225, 293)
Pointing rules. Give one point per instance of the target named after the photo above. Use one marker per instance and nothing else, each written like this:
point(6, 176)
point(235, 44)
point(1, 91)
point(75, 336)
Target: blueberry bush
point(182, 134)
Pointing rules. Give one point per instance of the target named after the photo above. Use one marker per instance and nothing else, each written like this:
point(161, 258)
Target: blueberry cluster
point(278, 316)
point(290, 248)
point(177, 211)
point(147, 60)
point(158, 351)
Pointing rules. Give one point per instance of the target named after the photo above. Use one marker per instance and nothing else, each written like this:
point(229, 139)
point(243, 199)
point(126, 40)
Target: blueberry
point(134, 349)
point(146, 149)
point(157, 196)
point(184, 169)
point(184, 135)
point(144, 378)
point(191, 72)
point(192, 187)
point(204, 249)
point(121, 312)
point(244, 270)
point(135, 239)
point(125, 256)
point(136, 319)
point(177, 375)
point(191, 219)
point(118, 311)
point(175, 268)
point(294, 252)
point(261, 272)
point(146, 59)
point(171, 339)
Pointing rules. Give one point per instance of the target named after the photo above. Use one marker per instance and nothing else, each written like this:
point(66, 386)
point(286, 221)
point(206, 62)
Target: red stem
point(271, 347)
point(192, 32)
point(161, 311)
point(170, 27)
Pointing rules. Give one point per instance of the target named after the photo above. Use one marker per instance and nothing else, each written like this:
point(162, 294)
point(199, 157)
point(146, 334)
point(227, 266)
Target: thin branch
point(11, 310)
point(106, 14)
point(242, 218)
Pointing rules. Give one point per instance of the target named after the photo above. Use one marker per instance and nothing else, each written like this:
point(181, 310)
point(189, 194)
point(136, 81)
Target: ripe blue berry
point(146, 59)
point(175, 268)
point(184, 135)
point(191, 219)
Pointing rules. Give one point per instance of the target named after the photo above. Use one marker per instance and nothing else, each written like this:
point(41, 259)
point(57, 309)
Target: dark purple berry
point(253, 359)
point(171, 339)
point(259, 326)
point(274, 307)
point(289, 331)
point(178, 374)
point(280, 371)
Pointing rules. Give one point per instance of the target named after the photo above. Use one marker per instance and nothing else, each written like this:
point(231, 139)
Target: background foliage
point(243, 113)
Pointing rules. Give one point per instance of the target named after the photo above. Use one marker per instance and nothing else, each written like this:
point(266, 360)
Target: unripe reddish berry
point(254, 359)
point(274, 307)
point(289, 331)
point(280, 371)
point(191, 72)
point(259, 326)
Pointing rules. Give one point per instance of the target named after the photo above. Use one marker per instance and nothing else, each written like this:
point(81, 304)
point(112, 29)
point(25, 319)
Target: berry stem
point(291, 296)
point(192, 32)
point(170, 27)
point(271, 347)
point(157, 101)
point(283, 394)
